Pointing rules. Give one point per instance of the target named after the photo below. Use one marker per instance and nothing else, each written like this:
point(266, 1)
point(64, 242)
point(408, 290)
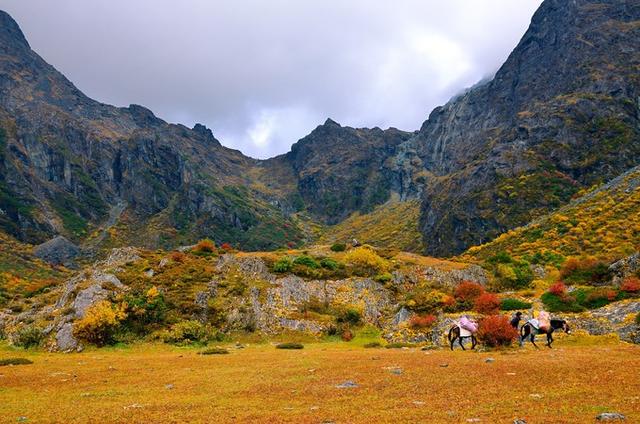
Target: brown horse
point(529, 330)
point(454, 334)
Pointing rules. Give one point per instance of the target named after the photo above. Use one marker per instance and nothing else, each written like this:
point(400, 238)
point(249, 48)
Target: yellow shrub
point(100, 323)
point(366, 259)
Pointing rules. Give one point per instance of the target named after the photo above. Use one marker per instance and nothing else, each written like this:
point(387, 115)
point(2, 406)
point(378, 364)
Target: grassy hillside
point(393, 225)
point(22, 275)
point(604, 222)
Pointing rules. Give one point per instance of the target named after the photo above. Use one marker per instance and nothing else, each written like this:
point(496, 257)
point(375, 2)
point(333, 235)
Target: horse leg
point(549, 339)
point(524, 332)
point(461, 343)
point(474, 342)
point(533, 340)
point(453, 340)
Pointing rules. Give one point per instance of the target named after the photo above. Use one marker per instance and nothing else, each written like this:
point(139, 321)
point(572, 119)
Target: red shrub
point(496, 330)
point(346, 335)
point(226, 246)
point(631, 285)
point(468, 291)
point(177, 257)
point(487, 304)
point(424, 321)
point(559, 289)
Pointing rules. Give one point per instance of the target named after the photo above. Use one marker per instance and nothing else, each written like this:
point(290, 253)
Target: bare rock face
point(625, 268)
point(57, 251)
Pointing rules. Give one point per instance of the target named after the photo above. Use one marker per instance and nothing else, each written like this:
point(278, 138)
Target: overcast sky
point(263, 73)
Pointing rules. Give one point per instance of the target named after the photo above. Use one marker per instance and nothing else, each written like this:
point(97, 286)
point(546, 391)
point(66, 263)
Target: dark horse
point(454, 334)
point(528, 330)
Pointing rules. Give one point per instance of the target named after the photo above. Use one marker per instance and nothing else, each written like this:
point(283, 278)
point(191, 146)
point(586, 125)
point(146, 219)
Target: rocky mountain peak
point(10, 33)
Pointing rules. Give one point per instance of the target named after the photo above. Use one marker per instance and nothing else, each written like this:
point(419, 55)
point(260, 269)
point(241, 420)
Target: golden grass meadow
point(148, 383)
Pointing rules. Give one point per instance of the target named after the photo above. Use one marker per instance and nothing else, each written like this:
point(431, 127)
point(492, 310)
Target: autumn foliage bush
point(584, 271)
point(366, 260)
point(495, 330)
point(422, 321)
point(487, 304)
point(205, 246)
point(468, 291)
point(100, 323)
point(631, 286)
point(558, 289)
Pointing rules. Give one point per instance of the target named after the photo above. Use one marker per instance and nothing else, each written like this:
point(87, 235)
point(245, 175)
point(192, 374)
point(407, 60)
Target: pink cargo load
point(466, 324)
point(544, 321)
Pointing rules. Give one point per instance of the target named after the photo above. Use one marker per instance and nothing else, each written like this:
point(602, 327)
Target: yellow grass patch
point(148, 383)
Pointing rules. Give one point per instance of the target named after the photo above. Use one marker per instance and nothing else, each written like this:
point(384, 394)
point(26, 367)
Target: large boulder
point(57, 251)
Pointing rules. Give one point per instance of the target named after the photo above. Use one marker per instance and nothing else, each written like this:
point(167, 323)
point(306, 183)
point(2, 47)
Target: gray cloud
point(263, 74)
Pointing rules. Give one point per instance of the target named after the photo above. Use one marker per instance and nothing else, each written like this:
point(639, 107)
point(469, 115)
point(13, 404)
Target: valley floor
point(153, 383)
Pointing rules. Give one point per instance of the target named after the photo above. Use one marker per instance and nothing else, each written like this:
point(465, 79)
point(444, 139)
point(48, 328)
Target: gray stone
point(347, 385)
point(610, 416)
point(57, 251)
point(65, 340)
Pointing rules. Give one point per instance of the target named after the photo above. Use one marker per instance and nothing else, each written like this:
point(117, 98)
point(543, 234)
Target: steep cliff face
point(70, 165)
point(341, 170)
point(562, 113)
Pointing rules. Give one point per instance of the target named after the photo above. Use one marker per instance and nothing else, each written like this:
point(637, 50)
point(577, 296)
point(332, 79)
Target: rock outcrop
point(57, 251)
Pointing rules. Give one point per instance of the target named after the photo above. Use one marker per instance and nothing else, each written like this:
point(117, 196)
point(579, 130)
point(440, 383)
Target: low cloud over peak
point(264, 74)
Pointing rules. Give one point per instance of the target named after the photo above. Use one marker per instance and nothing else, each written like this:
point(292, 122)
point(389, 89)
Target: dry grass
point(570, 384)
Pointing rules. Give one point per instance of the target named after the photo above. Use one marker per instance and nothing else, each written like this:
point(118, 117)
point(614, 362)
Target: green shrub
point(510, 304)
point(214, 351)
point(28, 336)
point(383, 278)
point(330, 264)
point(308, 261)
point(372, 345)
point(186, 332)
point(556, 303)
point(338, 247)
point(638, 318)
point(399, 345)
point(293, 346)
point(349, 316)
point(283, 265)
point(15, 361)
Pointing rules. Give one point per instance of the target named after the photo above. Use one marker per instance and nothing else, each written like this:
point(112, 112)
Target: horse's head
point(565, 327)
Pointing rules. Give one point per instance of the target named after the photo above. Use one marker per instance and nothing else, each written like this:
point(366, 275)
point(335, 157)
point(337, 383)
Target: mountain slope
point(604, 222)
point(561, 114)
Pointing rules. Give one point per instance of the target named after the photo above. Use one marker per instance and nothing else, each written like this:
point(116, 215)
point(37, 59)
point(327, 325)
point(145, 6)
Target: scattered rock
point(490, 360)
point(473, 420)
point(535, 395)
point(133, 406)
point(169, 386)
point(396, 371)
point(57, 251)
point(418, 402)
point(444, 365)
point(347, 385)
point(519, 421)
point(610, 416)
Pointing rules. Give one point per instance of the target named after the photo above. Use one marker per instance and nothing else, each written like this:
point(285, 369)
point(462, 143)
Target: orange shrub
point(496, 330)
point(226, 247)
point(468, 291)
point(605, 294)
point(177, 257)
point(487, 304)
point(347, 335)
point(631, 285)
point(424, 321)
point(559, 289)
point(205, 246)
